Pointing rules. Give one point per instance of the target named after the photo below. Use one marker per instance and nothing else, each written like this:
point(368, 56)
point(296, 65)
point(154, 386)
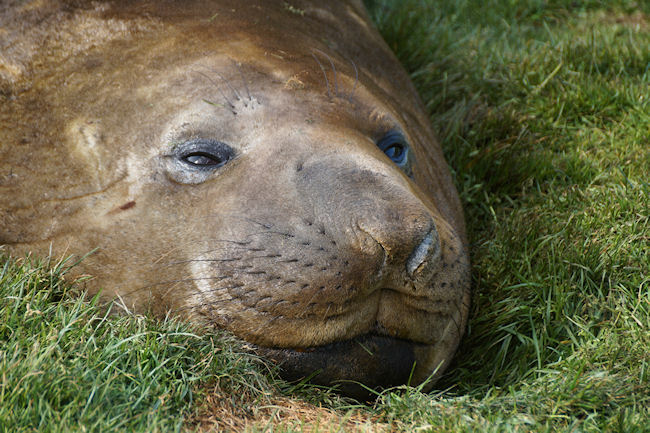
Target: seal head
point(266, 170)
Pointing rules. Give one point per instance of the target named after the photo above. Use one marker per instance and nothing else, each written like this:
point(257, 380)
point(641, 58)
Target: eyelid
point(390, 138)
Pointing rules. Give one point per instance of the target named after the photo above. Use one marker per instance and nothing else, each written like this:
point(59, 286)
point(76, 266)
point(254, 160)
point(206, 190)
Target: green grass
point(543, 111)
point(66, 365)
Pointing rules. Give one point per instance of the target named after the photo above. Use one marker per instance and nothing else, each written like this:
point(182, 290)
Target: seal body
point(263, 167)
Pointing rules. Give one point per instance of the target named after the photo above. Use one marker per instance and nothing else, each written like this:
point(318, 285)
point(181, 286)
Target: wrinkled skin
point(306, 240)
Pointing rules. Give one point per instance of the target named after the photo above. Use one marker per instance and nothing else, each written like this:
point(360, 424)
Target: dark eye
point(204, 160)
point(396, 152)
point(395, 147)
point(204, 154)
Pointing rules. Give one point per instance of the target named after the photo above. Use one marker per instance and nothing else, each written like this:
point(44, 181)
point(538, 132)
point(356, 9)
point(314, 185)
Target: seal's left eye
point(395, 147)
point(396, 152)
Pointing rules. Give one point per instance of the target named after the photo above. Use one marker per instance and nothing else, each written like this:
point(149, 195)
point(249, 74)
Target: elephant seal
point(262, 167)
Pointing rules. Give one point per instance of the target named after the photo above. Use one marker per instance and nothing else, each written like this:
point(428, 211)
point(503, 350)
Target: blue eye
point(396, 152)
point(395, 147)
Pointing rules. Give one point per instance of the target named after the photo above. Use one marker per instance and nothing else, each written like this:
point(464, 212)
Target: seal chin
point(376, 361)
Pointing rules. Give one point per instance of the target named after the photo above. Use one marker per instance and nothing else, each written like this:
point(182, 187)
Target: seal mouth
point(368, 361)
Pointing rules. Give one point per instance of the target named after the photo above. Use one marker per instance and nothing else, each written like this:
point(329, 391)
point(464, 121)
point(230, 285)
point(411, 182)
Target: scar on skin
point(128, 205)
point(125, 206)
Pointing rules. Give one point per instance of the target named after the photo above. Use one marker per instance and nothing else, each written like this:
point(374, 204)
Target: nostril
point(425, 252)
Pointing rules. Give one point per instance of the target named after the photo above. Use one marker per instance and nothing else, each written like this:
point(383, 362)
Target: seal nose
point(376, 217)
point(425, 253)
point(411, 247)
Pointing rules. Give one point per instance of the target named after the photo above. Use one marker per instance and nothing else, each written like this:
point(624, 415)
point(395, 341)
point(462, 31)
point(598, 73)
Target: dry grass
point(222, 411)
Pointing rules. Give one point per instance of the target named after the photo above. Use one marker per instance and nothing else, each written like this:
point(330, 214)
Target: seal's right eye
point(204, 154)
point(203, 159)
point(196, 161)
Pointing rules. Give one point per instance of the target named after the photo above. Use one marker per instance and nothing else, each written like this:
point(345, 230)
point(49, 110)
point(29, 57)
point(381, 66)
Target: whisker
point(204, 304)
point(238, 247)
point(169, 282)
point(307, 304)
point(237, 95)
point(336, 82)
point(230, 104)
point(263, 327)
point(184, 262)
point(265, 225)
point(356, 80)
point(230, 259)
point(327, 83)
point(241, 74)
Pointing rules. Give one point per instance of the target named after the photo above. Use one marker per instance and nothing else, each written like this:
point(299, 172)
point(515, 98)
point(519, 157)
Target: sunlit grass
point(67, 365)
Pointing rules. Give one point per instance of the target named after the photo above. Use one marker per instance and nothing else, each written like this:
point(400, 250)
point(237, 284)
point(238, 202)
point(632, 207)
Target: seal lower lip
point(376, 361)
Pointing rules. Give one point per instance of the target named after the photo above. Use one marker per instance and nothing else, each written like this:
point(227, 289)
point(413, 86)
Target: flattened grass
point(543, 111)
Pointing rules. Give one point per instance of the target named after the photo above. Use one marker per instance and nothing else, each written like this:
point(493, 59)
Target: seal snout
point(425, 253)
